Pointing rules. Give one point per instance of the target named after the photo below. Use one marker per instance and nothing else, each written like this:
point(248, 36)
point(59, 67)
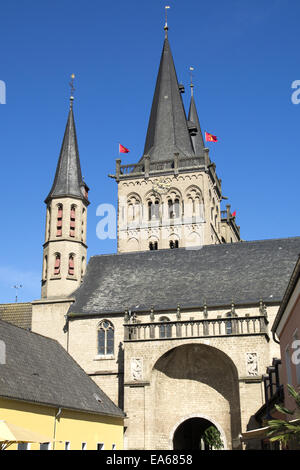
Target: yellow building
point(44, 390)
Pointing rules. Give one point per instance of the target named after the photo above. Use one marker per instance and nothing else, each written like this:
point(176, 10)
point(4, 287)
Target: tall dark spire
point(167, 129)
point(196, 135)
point(68, 178)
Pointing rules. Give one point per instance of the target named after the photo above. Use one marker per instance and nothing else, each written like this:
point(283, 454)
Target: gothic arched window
point(106, 338)
point(153, 210)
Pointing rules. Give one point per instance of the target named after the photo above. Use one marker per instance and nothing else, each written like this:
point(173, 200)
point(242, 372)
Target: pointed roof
point(197, 137)
point(68, 178)
point(167, 130)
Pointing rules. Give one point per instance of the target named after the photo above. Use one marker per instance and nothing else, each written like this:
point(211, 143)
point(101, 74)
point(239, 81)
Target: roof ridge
point(27, 331)
point(164, 250)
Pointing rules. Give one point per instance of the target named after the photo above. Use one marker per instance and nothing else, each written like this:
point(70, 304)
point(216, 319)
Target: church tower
point(171, 197)
point(64, 250)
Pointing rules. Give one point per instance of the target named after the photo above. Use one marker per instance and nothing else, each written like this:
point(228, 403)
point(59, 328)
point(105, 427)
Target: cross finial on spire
point(72, 89)
point(192, 85)
point(166, 23)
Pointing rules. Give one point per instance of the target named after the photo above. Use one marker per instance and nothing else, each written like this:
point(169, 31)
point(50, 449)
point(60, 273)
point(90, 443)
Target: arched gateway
point(193, 387)
point(198, 433)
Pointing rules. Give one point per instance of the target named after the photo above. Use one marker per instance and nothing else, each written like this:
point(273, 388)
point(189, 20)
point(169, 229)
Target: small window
point(71, 265)
point(59, 220)
point(174, 244)
point(106, 338)
point(149, 210)
point(113, 447)
point(156, 209)
point(100, 446)
point(177, 208)
point(23, 446)
point(153, 246)
point(45, 267)
point(171, 209)
point(72, 221)
point(45, 446)
point(83, 446)
point(67, 445)
point(57, 265)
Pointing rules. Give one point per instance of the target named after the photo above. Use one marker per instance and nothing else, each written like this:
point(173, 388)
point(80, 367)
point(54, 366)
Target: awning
point(11, 434)
point(261, 433)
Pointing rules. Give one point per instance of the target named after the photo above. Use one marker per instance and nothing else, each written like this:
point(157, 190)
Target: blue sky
point(246, 56)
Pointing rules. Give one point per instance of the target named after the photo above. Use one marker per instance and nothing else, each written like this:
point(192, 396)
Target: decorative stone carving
point(137, 369)
point(252, 364)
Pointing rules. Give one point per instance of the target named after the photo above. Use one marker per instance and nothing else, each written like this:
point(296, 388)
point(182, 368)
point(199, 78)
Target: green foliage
point(284, 431)
point(212, 438)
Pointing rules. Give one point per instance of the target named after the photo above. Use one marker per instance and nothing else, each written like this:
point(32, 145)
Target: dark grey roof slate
point(38, 369)
point(244, 272)
point(68, 178)
point(167, 130)
point(197, 140)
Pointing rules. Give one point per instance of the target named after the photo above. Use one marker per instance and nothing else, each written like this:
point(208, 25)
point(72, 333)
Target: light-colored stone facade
point(172, 207)
point(163, 381)
point(65, 242)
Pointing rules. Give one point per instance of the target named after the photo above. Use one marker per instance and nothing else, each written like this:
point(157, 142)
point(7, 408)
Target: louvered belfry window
point(57, 265)
point(72, 221)
point(59, 220)
point(71, 265)
point(106, 338)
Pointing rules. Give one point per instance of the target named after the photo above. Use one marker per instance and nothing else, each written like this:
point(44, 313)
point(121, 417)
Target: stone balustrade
point(205, 328)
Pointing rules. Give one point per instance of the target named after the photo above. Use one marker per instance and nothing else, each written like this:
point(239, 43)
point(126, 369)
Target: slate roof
point(68, 178)
point(244, 272)
point(19, 314)
point(167, 129)
point(38, 369)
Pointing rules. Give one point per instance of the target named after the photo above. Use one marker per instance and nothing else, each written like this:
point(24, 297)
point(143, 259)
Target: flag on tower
point(234, 214)
point(123, 149)
point(210, 137)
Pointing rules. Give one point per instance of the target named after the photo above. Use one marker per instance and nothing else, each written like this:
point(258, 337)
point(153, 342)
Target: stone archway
point(189, 434)
point(193, 380)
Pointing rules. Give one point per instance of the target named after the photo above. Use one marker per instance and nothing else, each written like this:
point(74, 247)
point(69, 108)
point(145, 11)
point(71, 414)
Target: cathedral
point(176, 326)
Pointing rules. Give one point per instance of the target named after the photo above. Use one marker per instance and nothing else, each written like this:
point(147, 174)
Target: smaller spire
point(68, 179)
point(197, 137)
point(166, 28)
point(192, 85)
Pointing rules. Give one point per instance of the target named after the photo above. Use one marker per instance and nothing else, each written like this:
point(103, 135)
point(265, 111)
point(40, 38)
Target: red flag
point(123, 149)
point(234, 214)
point(210, 137)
